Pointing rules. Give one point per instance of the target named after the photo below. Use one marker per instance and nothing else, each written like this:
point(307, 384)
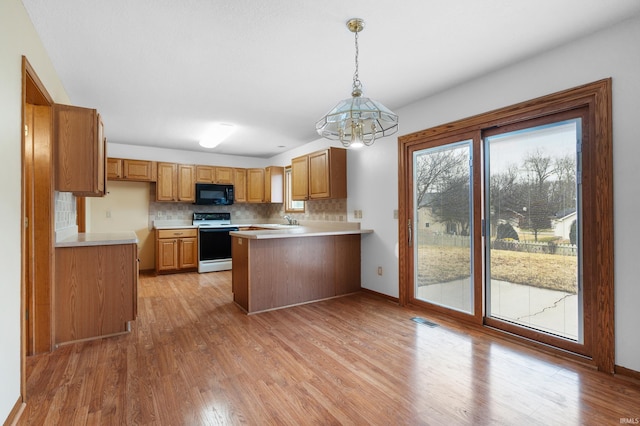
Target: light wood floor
point(193, 358)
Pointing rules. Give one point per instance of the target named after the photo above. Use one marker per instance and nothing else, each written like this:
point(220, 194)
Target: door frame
point(596, 97)
point(36, 253)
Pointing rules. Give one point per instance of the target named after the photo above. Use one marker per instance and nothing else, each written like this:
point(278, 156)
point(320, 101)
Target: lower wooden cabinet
point(96, 291)
point(176, 250)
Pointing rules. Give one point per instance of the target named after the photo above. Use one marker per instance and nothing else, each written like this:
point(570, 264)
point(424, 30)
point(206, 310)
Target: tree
point(432, 169)
point(538, 209)
point(442, 180)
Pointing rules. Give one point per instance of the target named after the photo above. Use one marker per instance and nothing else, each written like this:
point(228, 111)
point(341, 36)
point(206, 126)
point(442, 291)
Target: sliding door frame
point(598, 215)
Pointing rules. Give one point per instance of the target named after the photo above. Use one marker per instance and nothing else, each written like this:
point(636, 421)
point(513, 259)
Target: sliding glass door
point(443, 225)
point(506, 221)
point(533, 227)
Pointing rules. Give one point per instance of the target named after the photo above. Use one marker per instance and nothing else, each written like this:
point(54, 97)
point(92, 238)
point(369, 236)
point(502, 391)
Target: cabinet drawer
point(177, 233)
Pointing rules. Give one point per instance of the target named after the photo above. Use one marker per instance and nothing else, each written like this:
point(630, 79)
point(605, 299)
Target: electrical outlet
point(395, 214)
point(108, 213)
point(379, 270)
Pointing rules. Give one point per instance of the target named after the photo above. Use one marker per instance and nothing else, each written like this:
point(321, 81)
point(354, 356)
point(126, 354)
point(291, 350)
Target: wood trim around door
point(37, 215)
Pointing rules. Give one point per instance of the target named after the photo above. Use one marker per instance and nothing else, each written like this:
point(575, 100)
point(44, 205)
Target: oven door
point(214, 249)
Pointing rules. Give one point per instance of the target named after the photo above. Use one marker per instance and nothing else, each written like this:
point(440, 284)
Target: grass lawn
point(556, 272)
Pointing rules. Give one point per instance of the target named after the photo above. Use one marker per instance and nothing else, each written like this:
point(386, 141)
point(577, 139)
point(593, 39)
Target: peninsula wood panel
point(287, 271)
point(95, 291)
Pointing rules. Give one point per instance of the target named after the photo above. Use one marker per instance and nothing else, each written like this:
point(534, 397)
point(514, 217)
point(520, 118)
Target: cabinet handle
point(177, 233)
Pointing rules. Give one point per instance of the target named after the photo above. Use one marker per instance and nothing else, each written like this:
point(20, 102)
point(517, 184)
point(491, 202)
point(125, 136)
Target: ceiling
point(161, 71)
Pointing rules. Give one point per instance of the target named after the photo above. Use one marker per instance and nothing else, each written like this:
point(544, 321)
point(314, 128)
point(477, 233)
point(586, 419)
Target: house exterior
point(562, 224)
point(373, 174)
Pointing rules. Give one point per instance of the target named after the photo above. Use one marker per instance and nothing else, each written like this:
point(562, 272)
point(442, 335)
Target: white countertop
point(98, 239)
point(296, 232)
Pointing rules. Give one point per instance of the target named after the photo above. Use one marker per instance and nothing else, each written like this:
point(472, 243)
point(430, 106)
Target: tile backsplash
point(316, 210)
point(65, 210)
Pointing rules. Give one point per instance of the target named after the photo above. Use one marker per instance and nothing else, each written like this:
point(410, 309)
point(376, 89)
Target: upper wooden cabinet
point(224, 175)
point(205, 174)
point(114, 168)
point(134, 170)
point(274, 184)
point(214, 174)
point(79, 145)
point(255, 185)
point(240, 185)
point(186, 183)
point(325, 172)
point(176, 182)
point(300, 178)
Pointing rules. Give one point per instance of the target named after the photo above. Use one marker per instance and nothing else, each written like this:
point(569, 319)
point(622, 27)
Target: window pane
point(533, 227)
point(443, 231)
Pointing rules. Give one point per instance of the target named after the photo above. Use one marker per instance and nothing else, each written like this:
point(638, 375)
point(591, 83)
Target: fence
point(447, 240)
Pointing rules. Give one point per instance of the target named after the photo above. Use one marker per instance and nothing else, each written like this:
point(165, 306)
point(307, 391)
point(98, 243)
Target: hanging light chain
point(357, 85)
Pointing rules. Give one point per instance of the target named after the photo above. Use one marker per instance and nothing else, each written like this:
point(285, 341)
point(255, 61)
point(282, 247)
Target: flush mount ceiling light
point(216, 134)
point(357, 121)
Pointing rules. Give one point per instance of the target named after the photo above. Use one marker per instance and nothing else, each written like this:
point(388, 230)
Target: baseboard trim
point(15, 413)
point(627, 373)
point(382, 295)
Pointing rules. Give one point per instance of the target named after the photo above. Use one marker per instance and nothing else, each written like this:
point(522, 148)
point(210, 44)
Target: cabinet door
point(224, 175)
point(167, 258)
point(328, 173)
point(186, 183)
point(300, 178)
point(240, 185)
point(319, 175)
point(205, 174)
point(139, 170)
point(114, 168)
point(79, 146)
point(167, 183)
point(188, 253)
point(255, 185)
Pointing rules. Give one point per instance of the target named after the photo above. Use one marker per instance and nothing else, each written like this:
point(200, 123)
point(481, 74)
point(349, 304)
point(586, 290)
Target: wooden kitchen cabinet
point(132, 170)
point(176, 250)
point(95, 291)
point(224, 175)
point(255, 185)
point(325, 173)
point(300, 178)
point(186, 183)
point(328, 173)
point(114, 168)
point(274, 184)
point(176, 182)
point(240, 185)
point(80, 151)
point(205, 174)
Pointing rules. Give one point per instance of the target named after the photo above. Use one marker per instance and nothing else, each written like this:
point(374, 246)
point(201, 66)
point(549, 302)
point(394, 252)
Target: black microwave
point(214, 194)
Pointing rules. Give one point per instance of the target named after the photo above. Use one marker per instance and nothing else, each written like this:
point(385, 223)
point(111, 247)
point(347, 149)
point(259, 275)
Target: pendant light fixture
point(357, 121)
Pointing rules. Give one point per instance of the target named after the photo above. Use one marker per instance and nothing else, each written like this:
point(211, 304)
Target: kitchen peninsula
point(282, 267)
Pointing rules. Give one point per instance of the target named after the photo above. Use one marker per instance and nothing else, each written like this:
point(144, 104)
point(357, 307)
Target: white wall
point(17, 38)
point(124, 208)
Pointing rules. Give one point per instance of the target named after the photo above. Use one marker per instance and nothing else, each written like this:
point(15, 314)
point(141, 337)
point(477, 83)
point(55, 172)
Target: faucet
point(289, 219)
